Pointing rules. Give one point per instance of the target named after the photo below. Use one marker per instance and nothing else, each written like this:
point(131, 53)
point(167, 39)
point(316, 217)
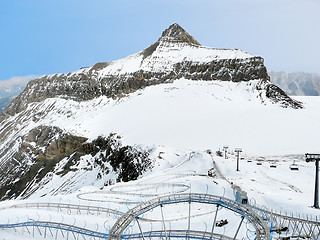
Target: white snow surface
point(192, 114)
point(175, 171)
point(180, 120)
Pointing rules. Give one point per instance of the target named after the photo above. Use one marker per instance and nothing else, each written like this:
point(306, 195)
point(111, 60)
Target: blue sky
point(43, 37)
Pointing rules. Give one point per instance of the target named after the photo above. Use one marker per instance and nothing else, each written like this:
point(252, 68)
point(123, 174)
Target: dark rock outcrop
point(37, 154)
point(44, 147)
point(175, 33)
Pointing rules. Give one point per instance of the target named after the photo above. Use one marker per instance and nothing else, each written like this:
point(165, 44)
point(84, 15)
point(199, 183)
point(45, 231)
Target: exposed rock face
point(278, 95)
point(37, 154)
point(45, 147)
point(175, 33)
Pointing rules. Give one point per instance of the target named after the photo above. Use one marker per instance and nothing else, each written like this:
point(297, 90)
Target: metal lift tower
point(225, 149)
point(238, 151)
point(310, 157)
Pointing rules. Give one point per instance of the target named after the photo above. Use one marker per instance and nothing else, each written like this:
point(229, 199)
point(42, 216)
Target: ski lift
point(273, 165)
point(294, 166)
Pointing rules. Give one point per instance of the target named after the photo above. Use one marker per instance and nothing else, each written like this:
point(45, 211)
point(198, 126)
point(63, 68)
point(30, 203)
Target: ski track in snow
point(284, 183)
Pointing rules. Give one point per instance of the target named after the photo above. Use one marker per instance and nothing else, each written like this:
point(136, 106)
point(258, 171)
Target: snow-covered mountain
point(85, 147)
point(108, 117)
point(175, 55)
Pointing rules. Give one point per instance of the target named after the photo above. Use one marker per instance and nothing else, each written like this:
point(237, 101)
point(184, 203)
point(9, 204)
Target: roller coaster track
point(290, 226)
point(57, 226)
point(262, 230)
point(69, 207)
point(90, 210)
point(176, 234)
point(284, 225)
point(75, 231)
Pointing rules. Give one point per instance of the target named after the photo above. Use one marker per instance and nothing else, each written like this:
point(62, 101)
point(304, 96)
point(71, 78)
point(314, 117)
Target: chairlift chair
point(294, 167)
point(273, 165)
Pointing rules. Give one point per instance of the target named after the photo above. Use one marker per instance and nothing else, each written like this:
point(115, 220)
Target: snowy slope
point(175, 172)
point(185, 114)
point(191, 114)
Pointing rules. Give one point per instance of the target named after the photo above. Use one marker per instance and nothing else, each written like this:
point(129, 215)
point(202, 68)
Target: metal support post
point(140, 228)
point(238, 228)
point(214, 222)
point(315, 158)
point(188, 234)
point(164, 224)
point(238, 150)
point(316, 190)
point(225, 148)
point(237, 161)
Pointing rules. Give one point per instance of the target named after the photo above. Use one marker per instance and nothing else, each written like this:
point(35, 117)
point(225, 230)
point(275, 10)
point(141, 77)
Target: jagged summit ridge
point(176, 33)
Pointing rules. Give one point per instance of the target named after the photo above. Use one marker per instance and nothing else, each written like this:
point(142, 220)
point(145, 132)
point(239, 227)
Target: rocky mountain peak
point(175, 55)
point(175, 33)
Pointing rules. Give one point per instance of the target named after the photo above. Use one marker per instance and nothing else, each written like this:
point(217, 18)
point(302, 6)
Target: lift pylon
point(311, 157)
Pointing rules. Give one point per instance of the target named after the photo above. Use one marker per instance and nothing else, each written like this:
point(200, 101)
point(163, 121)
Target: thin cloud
point(22, 81)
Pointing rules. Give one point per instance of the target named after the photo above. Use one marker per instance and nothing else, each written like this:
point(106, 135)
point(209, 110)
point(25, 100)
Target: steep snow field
point(193, 114)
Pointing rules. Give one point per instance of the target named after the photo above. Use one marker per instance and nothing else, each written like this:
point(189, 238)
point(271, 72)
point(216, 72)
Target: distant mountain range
point(297, 83)
point(12, 88)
